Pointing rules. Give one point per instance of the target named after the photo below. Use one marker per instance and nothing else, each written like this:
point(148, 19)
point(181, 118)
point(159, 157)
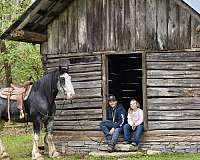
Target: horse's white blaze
point(68, 87)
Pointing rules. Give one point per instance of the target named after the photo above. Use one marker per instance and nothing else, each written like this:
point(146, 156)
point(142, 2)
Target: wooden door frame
point(105, 84)
point(144, 91)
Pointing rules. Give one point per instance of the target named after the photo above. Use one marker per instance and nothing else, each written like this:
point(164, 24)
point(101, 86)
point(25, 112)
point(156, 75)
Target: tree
point(19, 60)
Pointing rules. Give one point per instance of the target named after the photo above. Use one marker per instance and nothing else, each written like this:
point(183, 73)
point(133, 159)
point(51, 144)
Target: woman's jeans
point(106, 126)
point(137, 136)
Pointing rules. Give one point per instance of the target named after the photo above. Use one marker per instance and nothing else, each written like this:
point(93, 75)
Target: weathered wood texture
point(195, 35)
point(99, 25)
point(173, 90)
point(185, 136)
point(85, 111)
point(88, 26)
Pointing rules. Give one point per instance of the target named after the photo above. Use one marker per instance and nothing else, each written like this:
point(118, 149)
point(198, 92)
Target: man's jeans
point(106, 126)
point(137, 136)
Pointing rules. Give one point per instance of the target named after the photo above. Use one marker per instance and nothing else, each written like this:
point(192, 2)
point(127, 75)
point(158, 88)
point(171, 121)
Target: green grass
point(19, 148)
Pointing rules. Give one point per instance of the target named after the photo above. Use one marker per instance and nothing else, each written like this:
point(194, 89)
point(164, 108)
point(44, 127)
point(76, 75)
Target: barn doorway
point(125, 77)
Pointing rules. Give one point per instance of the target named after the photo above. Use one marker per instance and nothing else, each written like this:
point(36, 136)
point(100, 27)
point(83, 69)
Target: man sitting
point(113, 125)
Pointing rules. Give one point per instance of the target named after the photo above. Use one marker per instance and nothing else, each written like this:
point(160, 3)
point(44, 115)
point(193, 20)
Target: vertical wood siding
point(116, 25)
point(195, 38)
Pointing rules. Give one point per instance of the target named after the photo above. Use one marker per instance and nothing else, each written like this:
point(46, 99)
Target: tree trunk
point(7, 66)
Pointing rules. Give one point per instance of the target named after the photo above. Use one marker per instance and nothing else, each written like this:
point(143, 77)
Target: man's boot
point(111, 147)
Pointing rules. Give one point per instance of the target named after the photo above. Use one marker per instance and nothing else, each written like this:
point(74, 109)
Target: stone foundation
point(84, 147)
point(77, 147)
point(183, 147)
point(183, 141)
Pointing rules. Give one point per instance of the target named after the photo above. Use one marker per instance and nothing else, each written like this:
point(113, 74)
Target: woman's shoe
point(134, 144)
point(125, 142)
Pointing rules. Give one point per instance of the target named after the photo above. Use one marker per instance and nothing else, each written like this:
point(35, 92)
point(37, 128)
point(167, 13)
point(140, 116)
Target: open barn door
point(125, 77)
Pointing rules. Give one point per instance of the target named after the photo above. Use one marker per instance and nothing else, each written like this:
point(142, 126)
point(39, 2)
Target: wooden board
point(182, 124)
point(63, 40)
point(98, 26)
point(82, 26)
point(110, 35)
point(174, 56)
point(175, 82)
point(129, 24)
point(195, 34)
point(178, 65)
point(140, 42)
point(180, 103)
point(76, 125)
point(72, 27)
point(185, 28)
point(173, 92)
point(162, 20)
point(173, 25)
point(79, 103)
point(119, 24)
point(172, 74)
point(151, 25)
point(180, 115)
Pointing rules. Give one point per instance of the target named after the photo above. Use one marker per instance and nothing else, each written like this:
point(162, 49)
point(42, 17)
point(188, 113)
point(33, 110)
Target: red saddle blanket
point(16, 93)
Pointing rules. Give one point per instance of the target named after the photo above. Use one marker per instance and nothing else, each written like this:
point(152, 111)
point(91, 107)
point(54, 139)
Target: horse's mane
point(48, 83)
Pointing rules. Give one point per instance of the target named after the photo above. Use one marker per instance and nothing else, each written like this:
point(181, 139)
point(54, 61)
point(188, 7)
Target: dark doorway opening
point(125, 77)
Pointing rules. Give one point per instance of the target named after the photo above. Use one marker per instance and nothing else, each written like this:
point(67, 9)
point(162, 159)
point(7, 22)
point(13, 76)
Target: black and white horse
point(40, 107)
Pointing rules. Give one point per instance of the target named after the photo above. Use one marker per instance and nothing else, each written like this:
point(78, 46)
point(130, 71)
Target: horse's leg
point(48, 139)
point(35, 152)
point(3, 154)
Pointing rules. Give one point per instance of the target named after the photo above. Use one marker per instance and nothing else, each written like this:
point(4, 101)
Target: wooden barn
point(143, 49)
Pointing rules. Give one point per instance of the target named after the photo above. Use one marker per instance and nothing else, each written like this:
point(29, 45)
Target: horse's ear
point(63, 70)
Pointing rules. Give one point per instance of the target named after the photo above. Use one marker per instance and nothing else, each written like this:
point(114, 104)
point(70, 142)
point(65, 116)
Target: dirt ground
point(16, 129)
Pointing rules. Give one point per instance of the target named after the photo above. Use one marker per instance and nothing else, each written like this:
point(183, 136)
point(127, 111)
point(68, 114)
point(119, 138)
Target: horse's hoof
point(56, 155)
point(37, 156)
point(4, 156)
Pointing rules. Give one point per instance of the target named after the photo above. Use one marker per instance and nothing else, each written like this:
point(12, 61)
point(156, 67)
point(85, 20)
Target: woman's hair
point(137, 104)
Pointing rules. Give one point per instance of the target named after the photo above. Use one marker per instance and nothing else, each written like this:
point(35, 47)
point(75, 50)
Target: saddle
point(16, 93)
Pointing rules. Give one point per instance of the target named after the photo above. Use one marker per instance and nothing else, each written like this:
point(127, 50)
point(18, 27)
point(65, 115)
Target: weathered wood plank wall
point(89, 26)
point(85, 113)
point(115, 25)
point(173, 90)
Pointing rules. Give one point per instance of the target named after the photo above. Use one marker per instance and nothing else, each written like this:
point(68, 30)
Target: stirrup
point(21, 116)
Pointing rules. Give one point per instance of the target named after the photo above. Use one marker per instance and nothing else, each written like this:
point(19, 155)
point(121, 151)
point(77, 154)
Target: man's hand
point(111, 131)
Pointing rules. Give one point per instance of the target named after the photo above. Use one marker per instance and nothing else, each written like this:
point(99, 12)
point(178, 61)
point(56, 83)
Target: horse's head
point(65, 84)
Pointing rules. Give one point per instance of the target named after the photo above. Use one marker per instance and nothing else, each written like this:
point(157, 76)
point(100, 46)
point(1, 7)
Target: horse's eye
point(62, 80)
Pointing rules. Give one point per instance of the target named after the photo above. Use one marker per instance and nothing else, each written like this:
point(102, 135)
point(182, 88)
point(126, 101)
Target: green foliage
point(10, 10)
point(26, 62)
point(24, 58)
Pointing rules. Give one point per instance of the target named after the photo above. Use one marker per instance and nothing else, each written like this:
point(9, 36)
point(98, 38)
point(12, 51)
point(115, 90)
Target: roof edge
point(191, 10)
point(21, 18)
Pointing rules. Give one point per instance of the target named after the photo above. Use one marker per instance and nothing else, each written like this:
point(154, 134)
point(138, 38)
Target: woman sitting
point(135, 123)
